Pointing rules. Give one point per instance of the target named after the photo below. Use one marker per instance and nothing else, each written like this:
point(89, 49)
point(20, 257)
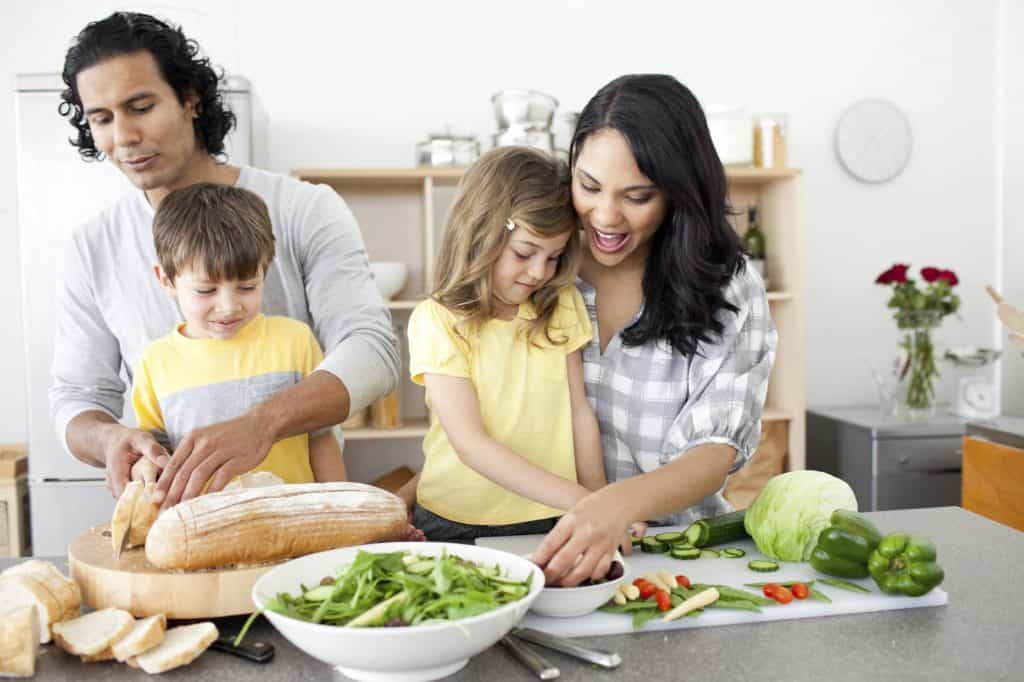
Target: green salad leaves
point(400, 588)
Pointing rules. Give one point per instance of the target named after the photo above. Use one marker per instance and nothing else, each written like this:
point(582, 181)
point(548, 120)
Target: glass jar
point(770, 133)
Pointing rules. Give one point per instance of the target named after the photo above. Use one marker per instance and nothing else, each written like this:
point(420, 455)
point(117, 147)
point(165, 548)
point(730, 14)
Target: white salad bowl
point(401, 654)
point(389, 276)
point(569, 602)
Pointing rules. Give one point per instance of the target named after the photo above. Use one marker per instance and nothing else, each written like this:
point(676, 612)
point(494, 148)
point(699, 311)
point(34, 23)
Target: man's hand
point(215, 453)
point(123, 449)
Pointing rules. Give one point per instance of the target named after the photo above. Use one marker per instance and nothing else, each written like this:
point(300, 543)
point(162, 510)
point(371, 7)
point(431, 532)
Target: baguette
point(260, 525)
point(19, 642)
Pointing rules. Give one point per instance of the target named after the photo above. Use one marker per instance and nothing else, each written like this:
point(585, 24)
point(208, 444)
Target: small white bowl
point(400, 654)
point(389, 276)
point(568, 602)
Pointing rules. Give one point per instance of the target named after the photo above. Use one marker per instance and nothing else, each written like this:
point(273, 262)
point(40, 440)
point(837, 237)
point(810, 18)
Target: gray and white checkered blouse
point(653, 404)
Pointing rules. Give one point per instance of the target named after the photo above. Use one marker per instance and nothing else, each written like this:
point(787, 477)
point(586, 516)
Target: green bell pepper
point(905, 564)
point(844, 547)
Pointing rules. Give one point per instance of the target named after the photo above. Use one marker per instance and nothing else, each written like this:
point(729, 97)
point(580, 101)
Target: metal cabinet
point(889, 463)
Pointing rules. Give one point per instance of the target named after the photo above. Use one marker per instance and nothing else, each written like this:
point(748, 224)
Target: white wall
point(1012, 184)
point(358, 84)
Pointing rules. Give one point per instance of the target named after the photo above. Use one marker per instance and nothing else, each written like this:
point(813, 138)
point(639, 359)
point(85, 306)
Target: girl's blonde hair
point(531, 189)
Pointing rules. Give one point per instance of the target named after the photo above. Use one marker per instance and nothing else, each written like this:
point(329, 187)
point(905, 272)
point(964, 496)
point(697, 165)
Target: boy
point(214, 244)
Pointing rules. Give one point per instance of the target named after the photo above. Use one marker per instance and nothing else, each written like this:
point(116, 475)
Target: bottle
point(753, 241)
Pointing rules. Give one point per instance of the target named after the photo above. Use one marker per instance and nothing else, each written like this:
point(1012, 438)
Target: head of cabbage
point(791, 511)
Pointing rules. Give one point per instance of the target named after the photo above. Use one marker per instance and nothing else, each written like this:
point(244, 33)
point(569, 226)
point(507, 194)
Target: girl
point(684, 343)
point(512, 440)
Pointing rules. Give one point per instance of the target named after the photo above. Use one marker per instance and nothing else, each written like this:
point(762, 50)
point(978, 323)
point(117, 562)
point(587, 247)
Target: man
point(139, 94)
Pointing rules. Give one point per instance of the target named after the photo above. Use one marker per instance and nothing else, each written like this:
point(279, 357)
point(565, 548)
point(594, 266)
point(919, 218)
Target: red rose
point(948, 276)
point(897, 274)
point(931, 274)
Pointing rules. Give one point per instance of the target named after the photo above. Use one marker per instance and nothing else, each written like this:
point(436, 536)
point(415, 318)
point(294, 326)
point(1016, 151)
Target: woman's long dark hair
point(180, 63)
point(695, 251)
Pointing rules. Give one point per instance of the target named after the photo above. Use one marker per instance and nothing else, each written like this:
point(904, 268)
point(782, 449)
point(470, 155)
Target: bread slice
point(19, 641)
point(105, 655)
point(121, 521)
point(90, 634)
point(146, 634)
point(144, 513)
point(26, 590)
point(62, 588)
point(181, 646)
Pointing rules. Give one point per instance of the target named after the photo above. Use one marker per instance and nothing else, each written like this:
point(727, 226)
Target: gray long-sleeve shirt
point(110, 304)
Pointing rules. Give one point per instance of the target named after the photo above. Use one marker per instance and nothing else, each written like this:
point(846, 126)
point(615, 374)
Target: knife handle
point(537, 664)
point(605, 659)
point(257, 652)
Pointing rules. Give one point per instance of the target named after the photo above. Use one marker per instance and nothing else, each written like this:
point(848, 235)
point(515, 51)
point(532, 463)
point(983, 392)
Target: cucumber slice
point(684, 553)
point(669, 538)
point(762, 566)
point(733, 552)
point(709, 554)
point(652, 545)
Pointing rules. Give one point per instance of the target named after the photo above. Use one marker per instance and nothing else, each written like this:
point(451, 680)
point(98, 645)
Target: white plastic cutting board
point(732, 572)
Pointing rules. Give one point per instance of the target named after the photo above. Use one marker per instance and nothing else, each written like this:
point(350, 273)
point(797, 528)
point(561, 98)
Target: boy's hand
point(124, 449)
point(215, 453)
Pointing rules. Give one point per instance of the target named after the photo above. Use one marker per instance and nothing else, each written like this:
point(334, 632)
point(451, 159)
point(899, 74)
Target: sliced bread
point(62, 588)
point(90, 634)
point(19, 641)
point(146, 634)
point(181, 646)
point(26, 590)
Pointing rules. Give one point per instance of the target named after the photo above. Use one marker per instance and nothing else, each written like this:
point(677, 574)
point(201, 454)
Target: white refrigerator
point(57, 191)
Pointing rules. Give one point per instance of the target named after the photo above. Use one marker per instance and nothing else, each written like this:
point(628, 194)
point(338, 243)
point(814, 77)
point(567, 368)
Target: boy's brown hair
point(532, 190)
point(221, 230)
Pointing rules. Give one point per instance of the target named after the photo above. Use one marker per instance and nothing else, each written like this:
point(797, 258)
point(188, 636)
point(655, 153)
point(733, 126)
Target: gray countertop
point(978, 635)
point(1003, 430)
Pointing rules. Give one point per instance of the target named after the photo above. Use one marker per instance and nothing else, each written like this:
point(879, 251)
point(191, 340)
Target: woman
point(683, 341)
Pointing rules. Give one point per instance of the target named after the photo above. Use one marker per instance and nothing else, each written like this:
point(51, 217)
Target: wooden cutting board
point(732, 572)
point(133, 584)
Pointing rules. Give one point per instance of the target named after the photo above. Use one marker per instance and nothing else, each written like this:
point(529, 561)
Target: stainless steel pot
point(523, 110)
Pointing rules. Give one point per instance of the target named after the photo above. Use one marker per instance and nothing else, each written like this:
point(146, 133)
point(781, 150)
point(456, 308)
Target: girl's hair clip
point(509, 225)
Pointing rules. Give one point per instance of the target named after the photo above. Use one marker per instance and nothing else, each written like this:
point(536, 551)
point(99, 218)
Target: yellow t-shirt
point(523, 392)
point(182, 384)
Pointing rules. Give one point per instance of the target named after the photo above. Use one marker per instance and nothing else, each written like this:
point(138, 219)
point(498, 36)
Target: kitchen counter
point(1003, 430)
point(976, 636)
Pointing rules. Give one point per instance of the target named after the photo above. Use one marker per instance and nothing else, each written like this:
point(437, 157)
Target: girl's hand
point(583, 542)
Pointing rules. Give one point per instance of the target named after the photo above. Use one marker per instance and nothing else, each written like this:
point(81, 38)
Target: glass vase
point(919, 370)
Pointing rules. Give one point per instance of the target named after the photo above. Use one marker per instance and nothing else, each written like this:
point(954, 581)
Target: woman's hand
point(582, 543)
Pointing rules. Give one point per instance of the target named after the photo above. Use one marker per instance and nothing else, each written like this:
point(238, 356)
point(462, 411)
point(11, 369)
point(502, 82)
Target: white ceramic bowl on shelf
point(389, 276)
point(399, 654)
point(569, 602)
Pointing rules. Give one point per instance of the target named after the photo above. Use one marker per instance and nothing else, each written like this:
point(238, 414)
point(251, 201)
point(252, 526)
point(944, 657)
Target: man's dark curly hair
point(180, 63)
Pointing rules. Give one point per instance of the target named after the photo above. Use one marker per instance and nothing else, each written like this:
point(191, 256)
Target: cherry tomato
point(779, 593)
point(646, 588)
point(663, 599)
point(800, 591)
point(683, 580)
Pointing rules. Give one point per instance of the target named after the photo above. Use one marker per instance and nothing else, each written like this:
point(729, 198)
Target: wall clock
point(873, 141)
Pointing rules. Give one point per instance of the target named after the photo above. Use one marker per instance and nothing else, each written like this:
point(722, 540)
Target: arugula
point(400, 588)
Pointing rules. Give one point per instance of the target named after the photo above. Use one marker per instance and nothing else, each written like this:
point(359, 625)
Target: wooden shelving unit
point(401, 213)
